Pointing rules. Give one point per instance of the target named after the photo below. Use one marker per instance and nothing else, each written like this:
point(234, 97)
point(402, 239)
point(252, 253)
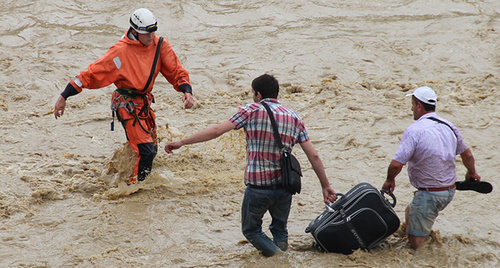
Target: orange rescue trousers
point(134, 112)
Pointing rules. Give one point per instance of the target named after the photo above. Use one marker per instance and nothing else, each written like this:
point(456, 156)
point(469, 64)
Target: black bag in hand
point(290, 166)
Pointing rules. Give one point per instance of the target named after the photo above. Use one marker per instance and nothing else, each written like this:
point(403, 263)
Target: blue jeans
point(256, 203)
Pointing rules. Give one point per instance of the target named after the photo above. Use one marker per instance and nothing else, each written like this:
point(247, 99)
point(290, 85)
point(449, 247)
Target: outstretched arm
point(328, 193)
point(202, 136)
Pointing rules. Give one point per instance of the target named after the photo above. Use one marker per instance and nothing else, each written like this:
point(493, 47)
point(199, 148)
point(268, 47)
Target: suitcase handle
point(329, 205)
point(387, 191)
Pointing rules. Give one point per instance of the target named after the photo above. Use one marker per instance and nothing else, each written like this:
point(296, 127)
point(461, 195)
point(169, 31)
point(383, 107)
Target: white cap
point(425, 94)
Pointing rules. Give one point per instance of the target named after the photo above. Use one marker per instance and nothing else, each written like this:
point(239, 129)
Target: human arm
point(318, 167)
point(188, 95)
point(394, 169)
point(99, 74)
point(175, 74)
point(202, 136)
point(60, 105)
point(188, 100)
point(469, 163)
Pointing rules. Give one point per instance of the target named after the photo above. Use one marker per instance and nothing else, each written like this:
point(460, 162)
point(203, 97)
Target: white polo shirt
point(430, 148)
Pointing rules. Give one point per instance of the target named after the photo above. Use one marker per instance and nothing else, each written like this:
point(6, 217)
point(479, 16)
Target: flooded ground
point(344, 66)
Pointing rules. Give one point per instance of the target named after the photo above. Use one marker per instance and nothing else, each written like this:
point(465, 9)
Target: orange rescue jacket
point(128, 64)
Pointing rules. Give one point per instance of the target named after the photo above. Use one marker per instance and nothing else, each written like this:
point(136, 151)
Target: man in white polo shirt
point(429, 146)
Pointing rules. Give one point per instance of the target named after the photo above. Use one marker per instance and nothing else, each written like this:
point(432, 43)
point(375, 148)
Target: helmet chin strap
point(133, 33)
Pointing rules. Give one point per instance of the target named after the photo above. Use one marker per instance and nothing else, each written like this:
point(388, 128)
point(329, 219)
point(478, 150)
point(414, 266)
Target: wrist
point(186, 88)
point(325, 184)
point(70, 90)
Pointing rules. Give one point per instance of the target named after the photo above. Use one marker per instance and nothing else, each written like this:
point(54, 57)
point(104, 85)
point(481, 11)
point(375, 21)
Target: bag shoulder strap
point(275, 126)
point(442, 122)
point(157, 55)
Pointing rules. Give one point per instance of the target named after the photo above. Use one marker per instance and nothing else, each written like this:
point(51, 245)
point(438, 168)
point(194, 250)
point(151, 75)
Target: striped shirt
point(430, 148)
point(263, 155)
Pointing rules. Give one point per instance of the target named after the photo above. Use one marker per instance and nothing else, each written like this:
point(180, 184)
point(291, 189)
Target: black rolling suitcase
point(362, 218)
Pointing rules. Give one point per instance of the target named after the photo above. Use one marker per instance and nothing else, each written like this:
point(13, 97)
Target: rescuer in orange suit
point(128, 64)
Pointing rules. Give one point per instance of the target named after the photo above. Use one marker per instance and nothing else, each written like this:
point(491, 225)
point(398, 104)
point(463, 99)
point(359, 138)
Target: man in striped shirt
point(264, 190)
point(429, 146)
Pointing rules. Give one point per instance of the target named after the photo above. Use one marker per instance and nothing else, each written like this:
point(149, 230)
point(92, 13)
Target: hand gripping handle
point(387, 191)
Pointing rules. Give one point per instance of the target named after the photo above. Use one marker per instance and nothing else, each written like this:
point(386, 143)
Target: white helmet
point(143, 21)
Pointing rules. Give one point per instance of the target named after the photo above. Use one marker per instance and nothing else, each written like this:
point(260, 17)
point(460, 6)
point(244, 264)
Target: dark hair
point(267, 85)
point(427, 107)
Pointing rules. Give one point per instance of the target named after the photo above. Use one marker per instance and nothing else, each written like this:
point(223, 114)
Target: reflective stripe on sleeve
point(117, 62)
point(78, 82)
